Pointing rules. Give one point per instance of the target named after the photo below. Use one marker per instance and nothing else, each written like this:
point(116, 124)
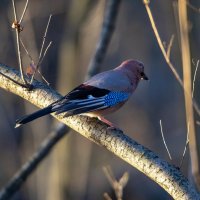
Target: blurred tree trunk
point(64, 168)
point(187, 82)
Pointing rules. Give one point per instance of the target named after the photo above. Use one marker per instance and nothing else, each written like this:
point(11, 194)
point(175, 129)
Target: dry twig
point(32, 61)
point(163, 138)
point(186, 145)
point(42, 55)
point(17, 26)
point(117, 185)
point(193, 7)
point(106, 196)
point(194, 79)
point(170, 46)
point(24, 11)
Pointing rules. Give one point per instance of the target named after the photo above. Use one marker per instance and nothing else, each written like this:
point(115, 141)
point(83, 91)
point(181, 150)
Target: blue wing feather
point(78, 106)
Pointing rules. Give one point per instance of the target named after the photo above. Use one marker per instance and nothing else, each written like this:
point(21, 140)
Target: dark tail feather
point(35, 115)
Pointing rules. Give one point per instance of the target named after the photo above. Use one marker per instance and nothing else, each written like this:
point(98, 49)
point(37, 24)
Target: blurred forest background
point(73, 170)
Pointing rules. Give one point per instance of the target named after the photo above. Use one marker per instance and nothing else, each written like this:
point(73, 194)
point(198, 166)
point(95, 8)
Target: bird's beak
point(144, 77)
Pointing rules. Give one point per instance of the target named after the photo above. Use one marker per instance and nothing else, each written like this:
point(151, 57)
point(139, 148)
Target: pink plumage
point(104, 93)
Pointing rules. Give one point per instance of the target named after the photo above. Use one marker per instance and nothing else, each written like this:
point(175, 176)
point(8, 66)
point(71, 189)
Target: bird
point(102, 94)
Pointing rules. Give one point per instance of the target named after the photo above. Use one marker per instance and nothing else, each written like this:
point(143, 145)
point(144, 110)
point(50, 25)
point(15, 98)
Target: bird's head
point(134, 68)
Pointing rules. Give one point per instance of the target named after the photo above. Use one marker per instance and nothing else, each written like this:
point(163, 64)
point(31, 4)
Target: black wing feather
point(83, 91)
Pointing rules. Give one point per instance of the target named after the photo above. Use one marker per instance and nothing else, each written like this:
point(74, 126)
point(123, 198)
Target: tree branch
point(45, 148)
point(166, 175)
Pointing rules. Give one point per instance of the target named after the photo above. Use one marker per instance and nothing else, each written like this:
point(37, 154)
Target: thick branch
point(167, 176)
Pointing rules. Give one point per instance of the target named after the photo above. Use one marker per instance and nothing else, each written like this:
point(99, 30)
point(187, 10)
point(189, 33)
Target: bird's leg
point(110, 124)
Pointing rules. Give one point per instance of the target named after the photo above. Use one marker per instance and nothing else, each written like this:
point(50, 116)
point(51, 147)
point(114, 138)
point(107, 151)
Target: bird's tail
point(27, 118)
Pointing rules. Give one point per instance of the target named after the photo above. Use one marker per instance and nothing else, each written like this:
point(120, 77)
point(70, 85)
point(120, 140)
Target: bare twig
point(106, 196)
point(24, 11)
point(42, 47)
point(186, 144)
point(105, 36)
point(14, 81)
point(194, 79)
point(17, 31)
point(44, 54)
point(44, 37)
point(170, 46)
point(117, 186)
point(193, 7)
point(163, 138)
point(45, 148)
point(32, 61)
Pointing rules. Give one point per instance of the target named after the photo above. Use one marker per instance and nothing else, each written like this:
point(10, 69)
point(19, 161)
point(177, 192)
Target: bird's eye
point(142, 74)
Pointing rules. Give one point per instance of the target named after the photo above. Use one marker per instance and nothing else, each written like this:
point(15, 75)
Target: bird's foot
point(111, 126)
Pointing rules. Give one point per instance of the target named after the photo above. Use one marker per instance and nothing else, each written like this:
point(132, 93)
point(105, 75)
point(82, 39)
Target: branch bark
point(166, 175)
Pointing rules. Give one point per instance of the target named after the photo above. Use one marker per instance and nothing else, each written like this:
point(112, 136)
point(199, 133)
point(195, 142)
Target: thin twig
point(14, 81)
point(42, 47)
point(32, 61)
point(186, 144)
point(117, 185)
point(44, 54)
point(193, 7)
point(109, 174)
point(163, 138)
point(24, 11)
point(170, 46)
point(105, 36)
point(106, 196)
point(17, 31)
point(45, 148)
point(44, 37)
point(194, 79)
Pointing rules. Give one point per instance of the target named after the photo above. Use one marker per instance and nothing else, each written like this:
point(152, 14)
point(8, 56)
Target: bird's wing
point(87, 98)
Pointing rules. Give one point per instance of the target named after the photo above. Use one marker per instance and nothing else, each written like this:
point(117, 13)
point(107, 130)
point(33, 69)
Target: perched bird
point(104, 93)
